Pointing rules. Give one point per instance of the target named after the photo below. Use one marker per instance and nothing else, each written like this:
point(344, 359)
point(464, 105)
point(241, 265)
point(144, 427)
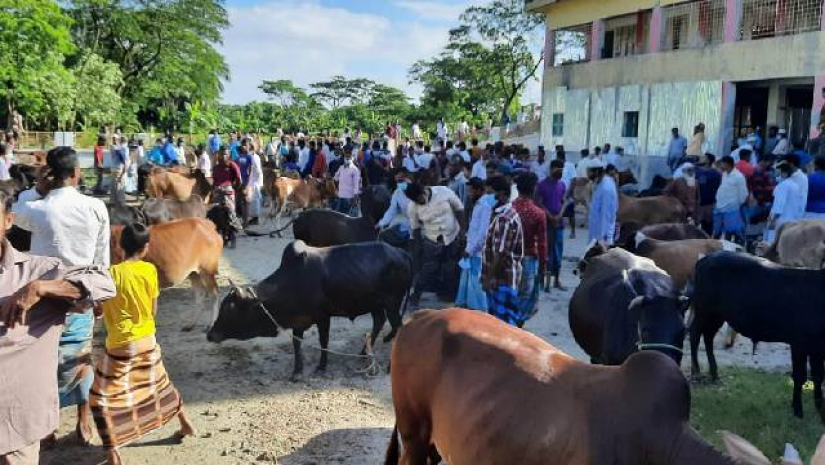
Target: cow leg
point(211, 287)
point(799, 361)
point(379, 317)
point(323, 338)
point(817, 376)
point(435, 457)
point(416, 448)
point(297, 337)
point(199, 288)
point(393, 312)
point(712, 367)
point(695, 370)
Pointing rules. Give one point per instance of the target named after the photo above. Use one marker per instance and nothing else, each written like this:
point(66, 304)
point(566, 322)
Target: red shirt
point(534, 225)
point(319, 168)
point(226, 175)
point(745, 168)
point(98, 156)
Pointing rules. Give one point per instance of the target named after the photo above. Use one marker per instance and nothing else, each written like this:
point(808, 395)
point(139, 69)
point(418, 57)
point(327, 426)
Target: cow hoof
point(698, 378)
point(321, 370)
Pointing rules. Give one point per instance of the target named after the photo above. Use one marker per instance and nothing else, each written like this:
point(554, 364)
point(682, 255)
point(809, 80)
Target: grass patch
point(757, 406)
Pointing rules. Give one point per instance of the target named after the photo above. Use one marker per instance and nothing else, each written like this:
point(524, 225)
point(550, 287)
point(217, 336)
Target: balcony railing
point(774, 18)
point(693, 24)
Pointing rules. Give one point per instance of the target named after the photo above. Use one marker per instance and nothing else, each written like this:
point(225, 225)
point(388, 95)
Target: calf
point(472, 389)
point(767, 303)
point(291, 194)
point(311, 286)
point(625, 303)
point(172, 184)
point(678, 258)
point(196, 258)
point(799, 244)
point(650, 210)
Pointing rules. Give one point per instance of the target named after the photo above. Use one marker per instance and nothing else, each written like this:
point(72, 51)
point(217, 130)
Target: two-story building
point(627, 71)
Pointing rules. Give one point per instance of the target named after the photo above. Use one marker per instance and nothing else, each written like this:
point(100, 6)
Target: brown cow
point(172, 184)
point(662, 232)
point(678, 258)
point(195, 258)
point(472, 389)
point(299, 194)
point(799, 244)
point(158, 211)
point(647, 211)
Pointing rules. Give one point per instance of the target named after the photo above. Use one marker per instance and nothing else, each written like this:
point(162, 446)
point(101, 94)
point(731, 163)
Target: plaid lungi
point(504, 305)
point(132, 394)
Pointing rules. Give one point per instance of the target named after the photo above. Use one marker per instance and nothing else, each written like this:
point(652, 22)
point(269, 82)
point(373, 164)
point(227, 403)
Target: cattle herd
point(468, 388)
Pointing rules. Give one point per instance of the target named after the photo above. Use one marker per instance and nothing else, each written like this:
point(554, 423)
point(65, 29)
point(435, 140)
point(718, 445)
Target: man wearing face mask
point(787, 202)
point(732, 193)
point(604, 206)
point(395, 224)
point(436, 219)
point(470, 292)
point(684, 188)
point(550, 196)
point(348, 180)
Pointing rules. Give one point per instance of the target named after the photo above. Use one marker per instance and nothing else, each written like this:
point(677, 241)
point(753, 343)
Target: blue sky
point(311, 40)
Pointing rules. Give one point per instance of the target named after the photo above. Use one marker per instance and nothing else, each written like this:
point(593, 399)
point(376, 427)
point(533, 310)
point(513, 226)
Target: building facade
point(627, 71)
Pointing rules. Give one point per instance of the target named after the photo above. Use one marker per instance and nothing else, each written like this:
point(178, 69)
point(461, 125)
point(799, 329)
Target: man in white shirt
point(464, 153)
point(540, 166)
point(74, 228)
point(441, 129)
point(303, 154)
point(204, 162)
point(732, 193)
point(798, 177)
point(395, 224)
point(787, 202)
point(425, 160)
point(256, 185)
point(480, 167)
point(782, 146)
point(436, 219)
point(4, 167)
point(416, 131)
point(586, 161)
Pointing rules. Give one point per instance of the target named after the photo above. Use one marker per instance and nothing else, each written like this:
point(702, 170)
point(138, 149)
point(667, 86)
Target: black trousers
point(439, 268)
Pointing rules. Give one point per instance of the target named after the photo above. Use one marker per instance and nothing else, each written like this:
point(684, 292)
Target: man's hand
point(14, 309)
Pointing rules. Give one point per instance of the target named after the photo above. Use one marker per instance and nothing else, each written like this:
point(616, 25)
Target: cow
point(582, 192)
point(624, 303)
point(171, 184)
point(314, 284)
point(326, 228)
point(647, 211)
point(158, 211)
point(195, 258)
point(472, 389)
point(678, 258)
point(767, 303)
point(122, 214)
point(300, 194)
point(375, 201)
point(662, 232)
point(799, 244)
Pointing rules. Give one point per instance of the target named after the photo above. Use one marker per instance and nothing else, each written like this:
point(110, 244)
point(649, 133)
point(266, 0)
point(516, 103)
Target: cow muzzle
point(215, 336)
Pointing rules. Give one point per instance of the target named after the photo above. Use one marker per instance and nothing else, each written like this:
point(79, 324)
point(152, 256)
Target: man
point(540, 167)
point(534, 230)
point(480, 166)
point(550, 196)
point(395, 224)
point(694, 148)
point(436, 219)
point(773, 139)
point(73, 228)
point(244, 162)
point(36, 293)
point(348, 180)
point(303, 155)
point(120, 163)
point(732, 193)
point(744, 151)
point(604, 206)
point(156, 154)
point(255, 189)
point(416, 131)
point(782, 147)
point(213, 142)
point(180, 150)
point(744, 164)
point(457, 180)
point(685, 189)
point(470, 293)
point(502, 260)
point(815, 207)
point(170, 152)
point(475, 151)
point(441, 129)
point(798, 176)
point(757, 139)
point(226, 180)
point(708, 179)
point(787, 205)
point(464, 153)
point(586, 160)
point(761, 185)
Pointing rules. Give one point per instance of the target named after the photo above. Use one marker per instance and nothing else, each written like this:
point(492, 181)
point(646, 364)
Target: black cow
point(311, 286)
point(767, 303)
point(625, 303)
point(375, 201)
point(220, 215)
point(326, 228)
point(121, 215)
point(661, 232)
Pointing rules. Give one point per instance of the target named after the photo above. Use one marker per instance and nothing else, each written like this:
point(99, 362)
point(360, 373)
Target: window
point(558, 124)
point(631, 124)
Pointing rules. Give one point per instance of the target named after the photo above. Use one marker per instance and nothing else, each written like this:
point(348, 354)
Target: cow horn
point(232, 284)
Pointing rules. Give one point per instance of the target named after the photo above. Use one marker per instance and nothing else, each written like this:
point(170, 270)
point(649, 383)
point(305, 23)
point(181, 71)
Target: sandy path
point(238, 395)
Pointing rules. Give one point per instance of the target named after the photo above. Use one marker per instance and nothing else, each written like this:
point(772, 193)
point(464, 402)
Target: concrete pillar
point(819, 102)
point(596, 40)
point(733, 20)
point(654, 41)
point(549, 47)
point(775, 116)
point(724, 140)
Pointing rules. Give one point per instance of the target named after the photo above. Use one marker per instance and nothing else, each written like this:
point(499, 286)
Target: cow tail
point(279, 231)
point(394, 449)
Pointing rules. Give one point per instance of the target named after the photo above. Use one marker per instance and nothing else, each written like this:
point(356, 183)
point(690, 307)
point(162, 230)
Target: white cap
point(783, 132)
point(596, 164)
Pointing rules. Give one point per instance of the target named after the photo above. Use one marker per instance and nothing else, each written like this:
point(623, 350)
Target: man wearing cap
point(782, 146)
point(685, 189)
point(74, 228)
point(604, 206)
point(732, 193)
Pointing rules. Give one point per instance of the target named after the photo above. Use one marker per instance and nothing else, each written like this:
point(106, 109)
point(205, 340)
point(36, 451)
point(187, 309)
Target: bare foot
point(84, 424)
point(113, 457)
point(186, 428)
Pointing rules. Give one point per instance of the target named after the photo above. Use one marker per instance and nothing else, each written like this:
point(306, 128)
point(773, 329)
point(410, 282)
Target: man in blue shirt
point(604, 206)
point(676, 150)
point(155, 156)
point(709, 179)
point(244, 163)
point(214, 142)
point(233, 147)
point(170, 153)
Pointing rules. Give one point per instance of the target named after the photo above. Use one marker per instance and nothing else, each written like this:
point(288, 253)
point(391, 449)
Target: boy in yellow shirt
point(132, 394)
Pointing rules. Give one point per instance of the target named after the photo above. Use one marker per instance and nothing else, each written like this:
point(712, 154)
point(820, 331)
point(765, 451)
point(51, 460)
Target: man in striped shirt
point(503, 254)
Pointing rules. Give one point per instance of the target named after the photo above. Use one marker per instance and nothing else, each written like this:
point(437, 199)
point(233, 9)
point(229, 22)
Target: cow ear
point(740, 449)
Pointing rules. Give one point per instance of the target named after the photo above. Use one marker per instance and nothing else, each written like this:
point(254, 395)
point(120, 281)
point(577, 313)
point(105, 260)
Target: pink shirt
point(349, 181)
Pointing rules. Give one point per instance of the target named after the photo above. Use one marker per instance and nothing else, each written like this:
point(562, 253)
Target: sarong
point(503, 304)
point(555, 249)
point(528, 293)
point(728, 222)
point(74, 369)
point(470, 293)
point(132, 394)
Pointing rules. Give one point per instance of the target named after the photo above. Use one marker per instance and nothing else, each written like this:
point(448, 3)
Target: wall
point(566, 13)
point(792, 56)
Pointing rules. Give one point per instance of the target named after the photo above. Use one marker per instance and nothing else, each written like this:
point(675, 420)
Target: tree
point(284, 92)
point(97, 100)
point(340, 90)
point(34, 40)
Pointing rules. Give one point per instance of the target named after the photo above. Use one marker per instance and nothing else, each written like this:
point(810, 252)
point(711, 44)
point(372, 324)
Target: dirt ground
point(247, 411)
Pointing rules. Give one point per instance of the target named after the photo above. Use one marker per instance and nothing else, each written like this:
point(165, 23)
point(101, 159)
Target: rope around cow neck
point(372, 370)
point(654, 345)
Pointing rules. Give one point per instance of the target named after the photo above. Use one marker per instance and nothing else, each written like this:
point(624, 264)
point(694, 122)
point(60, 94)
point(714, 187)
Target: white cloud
point(307, 42)
point(432, 10)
